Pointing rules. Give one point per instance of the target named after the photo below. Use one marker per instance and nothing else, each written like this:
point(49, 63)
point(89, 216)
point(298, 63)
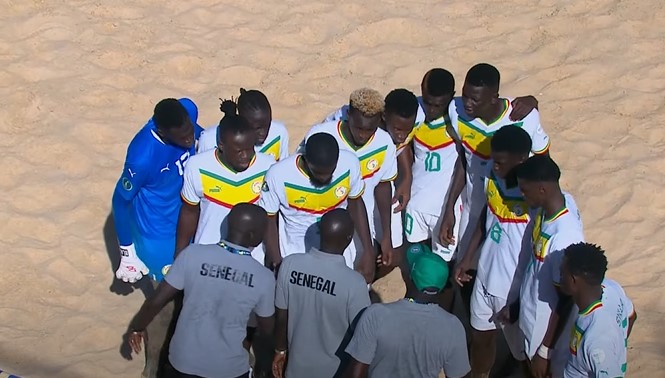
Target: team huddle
point(242, 240)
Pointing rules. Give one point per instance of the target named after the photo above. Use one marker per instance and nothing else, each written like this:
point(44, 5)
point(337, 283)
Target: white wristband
point(544, 352)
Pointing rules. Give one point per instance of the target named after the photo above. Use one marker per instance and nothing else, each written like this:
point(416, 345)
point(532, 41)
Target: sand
point(79, 78)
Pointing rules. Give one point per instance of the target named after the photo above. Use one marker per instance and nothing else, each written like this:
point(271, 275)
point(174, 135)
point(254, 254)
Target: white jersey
point(550, 236)
point(475, 136)
point(597, 347)
point(300, 204)
point(217, 188)
point(378, 161)
point(506, 225)
point(275, 145)
point(433, 166)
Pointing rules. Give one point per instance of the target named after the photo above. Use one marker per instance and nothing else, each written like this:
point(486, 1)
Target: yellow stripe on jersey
point(408, 139)
point(371, 162)
point(273, 148)
point(506, 209)
point(228, 193)
point(433, 137)
point(318, 201)
point(575, 339)
point(477, 140)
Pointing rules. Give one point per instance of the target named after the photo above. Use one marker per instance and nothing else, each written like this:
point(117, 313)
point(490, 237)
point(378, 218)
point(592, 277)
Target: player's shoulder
point(278, 169)
point(530, 121)
point(347, 158)
point(201, 158)
point(329, 127)
point(279, 127)
point(382, 138)
point(264, 161)
point(145, 144)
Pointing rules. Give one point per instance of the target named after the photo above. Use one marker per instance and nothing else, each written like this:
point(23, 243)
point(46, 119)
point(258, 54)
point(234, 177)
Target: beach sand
point(79, 78)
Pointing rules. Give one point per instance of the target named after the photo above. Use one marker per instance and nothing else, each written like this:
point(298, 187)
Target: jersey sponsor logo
point(126, 184)
point(131, 174)
point(318, 200)
point(227, 273)
point(165, 168)
point(313, 282)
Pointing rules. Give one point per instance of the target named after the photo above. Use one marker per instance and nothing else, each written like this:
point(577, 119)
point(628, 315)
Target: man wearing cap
point(318, 297)
point(412, 337)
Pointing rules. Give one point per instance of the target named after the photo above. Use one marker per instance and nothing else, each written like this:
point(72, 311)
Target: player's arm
point(522, 106)
point(356, 369)
point(358, 213)
point(631, 321)
point(284, 148)
point(270, 202)
point(383, 198)
point(457, 184)
point(404, 178)
point(188, 219)
point(461, 275)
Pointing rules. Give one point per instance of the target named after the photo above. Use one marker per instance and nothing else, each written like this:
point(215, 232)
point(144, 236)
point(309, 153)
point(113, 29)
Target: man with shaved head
point(222, 285)
point(318, 297)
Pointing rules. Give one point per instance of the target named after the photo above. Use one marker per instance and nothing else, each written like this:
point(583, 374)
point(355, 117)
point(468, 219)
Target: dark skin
point(548, 196)
point(236, 151)
point(399, 128)
point(247, 225)
point(336, 230)
point(358, 130)
point(483, 346)
point(182, 136)
point(259, 121)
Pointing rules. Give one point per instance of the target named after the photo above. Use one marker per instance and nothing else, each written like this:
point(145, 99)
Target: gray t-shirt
point(405, 340)
point(221, 289)
point(323, 297)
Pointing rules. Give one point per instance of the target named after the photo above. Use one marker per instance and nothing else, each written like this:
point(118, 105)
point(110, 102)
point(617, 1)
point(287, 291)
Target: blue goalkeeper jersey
point(146, 201)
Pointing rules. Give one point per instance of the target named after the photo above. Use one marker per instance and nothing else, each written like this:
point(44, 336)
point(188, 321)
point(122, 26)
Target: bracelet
point(281, 352)
point(544, 352)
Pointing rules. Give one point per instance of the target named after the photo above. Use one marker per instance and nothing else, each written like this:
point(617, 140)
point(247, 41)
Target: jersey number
point(432, 162)
point(180, 163)
point(495, 232)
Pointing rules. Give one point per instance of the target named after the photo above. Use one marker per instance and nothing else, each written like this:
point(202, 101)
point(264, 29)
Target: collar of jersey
point(153, 131)
point(506, 106)
point(592, 307)
point(228, 167)
point(235, 246)
point(558, 214)
point(298, 158)
point(319, 253)
point(435, 124)
point(348, 143)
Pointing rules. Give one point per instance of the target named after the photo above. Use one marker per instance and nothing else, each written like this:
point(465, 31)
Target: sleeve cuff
point(188, 201)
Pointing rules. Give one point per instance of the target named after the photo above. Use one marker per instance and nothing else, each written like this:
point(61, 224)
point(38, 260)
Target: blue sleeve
point(134, 176)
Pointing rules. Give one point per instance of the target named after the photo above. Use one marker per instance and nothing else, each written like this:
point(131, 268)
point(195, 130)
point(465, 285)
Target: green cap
point(429, 272)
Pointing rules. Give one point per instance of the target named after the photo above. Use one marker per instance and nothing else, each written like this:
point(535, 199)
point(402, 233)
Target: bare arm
point(404, 178)
point(188, 220)
point(151, 307)
point(356, 207)
point(461, 277)
point(356, 369)
point(631, 321)
point(383, 196)
point(272, 241)
point(281, 339)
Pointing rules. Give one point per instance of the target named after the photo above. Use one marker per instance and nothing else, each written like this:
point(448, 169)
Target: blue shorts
point(156, 254)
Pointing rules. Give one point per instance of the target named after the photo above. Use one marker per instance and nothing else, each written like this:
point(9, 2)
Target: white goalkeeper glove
point(131, 267)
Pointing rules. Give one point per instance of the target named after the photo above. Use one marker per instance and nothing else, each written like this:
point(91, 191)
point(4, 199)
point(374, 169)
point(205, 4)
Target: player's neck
point(346, 133)
point(495, 112)
point(330, 250)
point(586, 298)
point(237, 240)
point(554, 204)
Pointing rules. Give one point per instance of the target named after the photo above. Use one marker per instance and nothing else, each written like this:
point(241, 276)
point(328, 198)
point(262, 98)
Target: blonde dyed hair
point(366, 100)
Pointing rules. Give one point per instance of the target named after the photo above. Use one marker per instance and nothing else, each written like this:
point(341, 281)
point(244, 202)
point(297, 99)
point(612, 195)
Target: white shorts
point(483, 307)
point(419, 226)
point(395, 227)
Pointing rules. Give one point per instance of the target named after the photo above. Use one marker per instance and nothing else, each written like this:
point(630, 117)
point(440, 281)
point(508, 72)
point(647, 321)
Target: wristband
point(281, 352)
point(544, 352)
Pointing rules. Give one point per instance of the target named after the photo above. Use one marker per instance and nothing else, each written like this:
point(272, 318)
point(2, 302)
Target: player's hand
point(366, 266)
point(136, 340)
point(461, 276)
point(131, 268)
point(402, 195)
point(446, 236)
point(387, 251)
point(540, 367)
point(522, 106)
point(507, 315)
point(278, 363)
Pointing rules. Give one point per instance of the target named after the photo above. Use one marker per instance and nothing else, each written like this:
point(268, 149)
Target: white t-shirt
point(476, 136)
point(506, 224)
point(217, 188)
point(378, 161)
point(597, 346)
point(433, 166)
point(538, 294)
point(288, 190)
point(275, 145)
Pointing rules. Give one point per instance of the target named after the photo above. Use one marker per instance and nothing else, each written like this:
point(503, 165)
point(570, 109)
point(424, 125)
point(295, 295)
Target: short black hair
point(322, 150)
point(439, 82)
point(588, 261)
point(252, 100)
point(169, 114)
point(511, 139)
point(483, 75)
point(539, 168)
point(401, 102)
